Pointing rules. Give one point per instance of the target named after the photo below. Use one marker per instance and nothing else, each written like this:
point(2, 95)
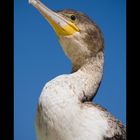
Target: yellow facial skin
point(64, 30)
point(61, 25)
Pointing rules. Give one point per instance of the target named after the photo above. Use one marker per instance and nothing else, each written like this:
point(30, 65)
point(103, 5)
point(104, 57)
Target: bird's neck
point(90, 72)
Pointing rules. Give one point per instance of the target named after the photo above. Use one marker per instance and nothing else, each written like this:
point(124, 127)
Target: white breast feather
point(63, 118)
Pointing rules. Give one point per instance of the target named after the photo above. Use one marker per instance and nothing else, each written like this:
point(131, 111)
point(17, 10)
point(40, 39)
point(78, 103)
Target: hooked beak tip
point(33, 2)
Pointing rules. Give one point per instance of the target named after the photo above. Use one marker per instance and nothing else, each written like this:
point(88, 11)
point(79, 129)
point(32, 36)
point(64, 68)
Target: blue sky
point(38, 58)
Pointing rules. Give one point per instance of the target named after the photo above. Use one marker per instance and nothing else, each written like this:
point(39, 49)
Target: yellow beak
point(61, 25)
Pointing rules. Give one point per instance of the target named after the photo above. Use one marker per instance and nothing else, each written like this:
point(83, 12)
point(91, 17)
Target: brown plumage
point(65, 110)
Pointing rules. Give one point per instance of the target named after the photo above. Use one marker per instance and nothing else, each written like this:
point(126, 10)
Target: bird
point(65, 109)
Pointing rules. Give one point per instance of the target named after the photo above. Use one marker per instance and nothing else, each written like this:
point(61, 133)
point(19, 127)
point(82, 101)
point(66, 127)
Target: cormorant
point(65, 110)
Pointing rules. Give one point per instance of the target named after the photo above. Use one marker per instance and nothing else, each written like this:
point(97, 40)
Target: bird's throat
point(91, 73)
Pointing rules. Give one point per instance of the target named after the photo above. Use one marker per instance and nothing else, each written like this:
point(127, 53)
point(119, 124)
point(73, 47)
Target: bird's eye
point(73, 17)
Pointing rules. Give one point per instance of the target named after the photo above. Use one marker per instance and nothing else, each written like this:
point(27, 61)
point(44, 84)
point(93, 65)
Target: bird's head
point(78, 35)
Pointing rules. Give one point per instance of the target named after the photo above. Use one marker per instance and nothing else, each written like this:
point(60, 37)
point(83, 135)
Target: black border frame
point(7, 70)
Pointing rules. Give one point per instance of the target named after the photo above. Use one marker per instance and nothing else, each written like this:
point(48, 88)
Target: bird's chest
point(56, 111)
point(67, 128)
point(55, 123)
point(59, 115)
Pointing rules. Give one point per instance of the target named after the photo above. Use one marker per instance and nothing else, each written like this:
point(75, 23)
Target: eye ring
point(73, 17)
